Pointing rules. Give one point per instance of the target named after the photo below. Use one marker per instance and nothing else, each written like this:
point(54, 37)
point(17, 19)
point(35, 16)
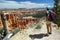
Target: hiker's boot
point(50, 33)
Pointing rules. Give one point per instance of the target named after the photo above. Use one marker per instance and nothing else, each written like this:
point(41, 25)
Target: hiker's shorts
point(48, 22)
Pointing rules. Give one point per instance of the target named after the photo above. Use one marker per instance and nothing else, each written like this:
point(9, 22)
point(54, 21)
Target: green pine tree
point(56, 9)
point(56, 5)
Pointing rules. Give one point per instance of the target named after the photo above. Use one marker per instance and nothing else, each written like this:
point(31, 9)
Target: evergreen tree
point(56, 5)
point(56, 9)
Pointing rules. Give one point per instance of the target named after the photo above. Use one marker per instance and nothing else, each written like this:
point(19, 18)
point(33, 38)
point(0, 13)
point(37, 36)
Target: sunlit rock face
point(20, 23)
point(13, 21)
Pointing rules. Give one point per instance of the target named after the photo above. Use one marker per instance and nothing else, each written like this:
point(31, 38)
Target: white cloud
point(26, 4)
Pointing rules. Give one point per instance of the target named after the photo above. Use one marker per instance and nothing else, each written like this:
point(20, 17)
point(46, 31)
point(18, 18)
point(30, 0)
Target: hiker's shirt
point(48, 16)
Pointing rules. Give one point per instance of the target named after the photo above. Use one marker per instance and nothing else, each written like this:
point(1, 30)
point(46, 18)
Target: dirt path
point(37, 34)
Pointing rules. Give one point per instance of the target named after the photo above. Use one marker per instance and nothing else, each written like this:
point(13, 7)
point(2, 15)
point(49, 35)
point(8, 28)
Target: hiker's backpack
point(51, 16)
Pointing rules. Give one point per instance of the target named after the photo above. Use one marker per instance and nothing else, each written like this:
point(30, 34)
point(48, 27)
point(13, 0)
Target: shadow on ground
point(38, 36)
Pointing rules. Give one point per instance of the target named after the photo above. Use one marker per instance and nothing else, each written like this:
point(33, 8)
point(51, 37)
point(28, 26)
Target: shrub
point(38, 27)
point(15, 31)
point(38, 15)
point(57, 21)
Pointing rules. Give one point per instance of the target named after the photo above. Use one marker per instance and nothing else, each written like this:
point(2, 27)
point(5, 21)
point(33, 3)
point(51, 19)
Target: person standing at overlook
point(50, 17)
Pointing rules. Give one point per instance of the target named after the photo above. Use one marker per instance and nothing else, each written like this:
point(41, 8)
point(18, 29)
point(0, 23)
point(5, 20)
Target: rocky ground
point(30, 33)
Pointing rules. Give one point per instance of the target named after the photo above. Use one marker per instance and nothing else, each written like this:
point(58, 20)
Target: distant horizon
point(24, 8)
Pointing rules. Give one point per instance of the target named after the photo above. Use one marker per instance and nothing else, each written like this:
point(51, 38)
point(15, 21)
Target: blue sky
point(26, 3)
point(37, 1)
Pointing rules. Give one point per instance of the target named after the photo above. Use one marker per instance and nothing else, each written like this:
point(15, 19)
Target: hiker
point(50, 17)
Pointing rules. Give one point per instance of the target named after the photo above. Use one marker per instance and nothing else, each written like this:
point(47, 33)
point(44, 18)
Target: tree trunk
point(4, 24)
